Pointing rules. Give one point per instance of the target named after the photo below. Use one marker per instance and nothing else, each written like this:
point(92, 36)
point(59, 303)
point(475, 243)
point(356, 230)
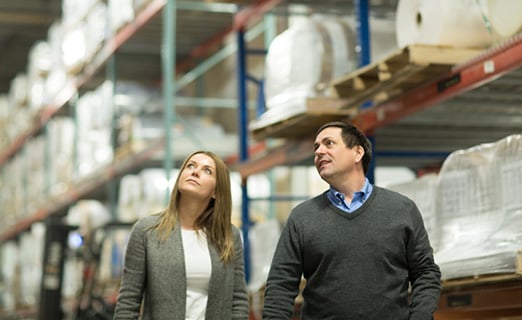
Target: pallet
point(128, 149)
point(399, 72)
point(485, 278)
point(316, 112)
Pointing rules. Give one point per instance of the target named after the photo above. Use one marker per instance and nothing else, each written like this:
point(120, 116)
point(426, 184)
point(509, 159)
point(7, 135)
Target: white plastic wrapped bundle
point(467, 201)
point(120, 13)
point(508, 166)
point(35, 164)
point(55, 82)
point(55, 36)
point(4, 113)
point(154, 186)
point(39, 66)
point(74, 47)
point(305, 57)
point(88, 215)
point(18, 90)
point(31, 246)
point(263, 239)
point(94, 148)
point(463, 23)
point(422, 192)
point(40, 59)
point(129, 198)
point(60, 140)
point(96, 29)
point(482, 231)
point(9, 259)
point(74, 11)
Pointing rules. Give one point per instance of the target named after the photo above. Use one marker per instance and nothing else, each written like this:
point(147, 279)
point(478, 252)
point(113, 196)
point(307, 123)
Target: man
point(361, 248)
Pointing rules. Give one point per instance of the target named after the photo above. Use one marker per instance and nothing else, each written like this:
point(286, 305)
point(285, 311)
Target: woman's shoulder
point(147, 221)
point(235, 230)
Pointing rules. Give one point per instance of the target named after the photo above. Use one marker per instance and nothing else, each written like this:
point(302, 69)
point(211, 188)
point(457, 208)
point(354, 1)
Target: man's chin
point(324, 174)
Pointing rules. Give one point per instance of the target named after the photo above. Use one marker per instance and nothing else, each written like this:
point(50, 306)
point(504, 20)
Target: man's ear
point(359, 153)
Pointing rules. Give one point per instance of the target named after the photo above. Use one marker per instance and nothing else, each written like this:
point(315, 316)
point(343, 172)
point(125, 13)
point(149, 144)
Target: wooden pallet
point(128, 149)
point(487, 278)
point(317, 111)
point(399, 72)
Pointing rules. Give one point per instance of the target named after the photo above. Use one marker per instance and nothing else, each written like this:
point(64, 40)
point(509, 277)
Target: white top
point(198, 268)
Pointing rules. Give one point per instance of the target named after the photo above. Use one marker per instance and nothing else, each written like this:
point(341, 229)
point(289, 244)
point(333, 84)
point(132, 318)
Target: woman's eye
point(190, 165)
point(208, 171)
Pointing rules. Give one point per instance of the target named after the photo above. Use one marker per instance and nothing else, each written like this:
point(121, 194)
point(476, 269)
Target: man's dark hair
point(352, 137)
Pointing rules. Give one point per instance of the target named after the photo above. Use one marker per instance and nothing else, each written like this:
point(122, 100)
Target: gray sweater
point(357, 266)
point(155, 273)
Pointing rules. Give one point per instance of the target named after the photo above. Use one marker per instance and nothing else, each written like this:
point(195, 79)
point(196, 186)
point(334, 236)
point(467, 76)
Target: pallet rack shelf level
point(112, 44)
point(81, 189)
point(487, 66)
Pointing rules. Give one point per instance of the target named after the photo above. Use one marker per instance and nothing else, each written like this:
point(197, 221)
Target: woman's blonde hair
point(216, 220)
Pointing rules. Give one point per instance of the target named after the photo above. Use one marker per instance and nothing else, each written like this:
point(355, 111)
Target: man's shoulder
point(391, 197)
point(319, 200)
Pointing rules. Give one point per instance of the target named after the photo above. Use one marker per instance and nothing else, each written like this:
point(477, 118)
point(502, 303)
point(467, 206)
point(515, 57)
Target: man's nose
point(319, 150)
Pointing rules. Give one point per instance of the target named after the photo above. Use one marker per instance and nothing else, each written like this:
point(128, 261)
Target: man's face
point(332, 157)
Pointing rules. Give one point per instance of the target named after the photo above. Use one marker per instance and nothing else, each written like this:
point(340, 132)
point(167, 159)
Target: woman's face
point(198, 178)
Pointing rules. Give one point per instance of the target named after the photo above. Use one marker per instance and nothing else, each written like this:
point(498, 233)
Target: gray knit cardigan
point(154, 273)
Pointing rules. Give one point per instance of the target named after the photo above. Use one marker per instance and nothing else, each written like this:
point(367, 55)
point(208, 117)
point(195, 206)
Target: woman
point(187, 261)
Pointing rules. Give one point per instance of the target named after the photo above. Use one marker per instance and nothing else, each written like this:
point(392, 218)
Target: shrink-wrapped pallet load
point(303, 59)
point(479, 209)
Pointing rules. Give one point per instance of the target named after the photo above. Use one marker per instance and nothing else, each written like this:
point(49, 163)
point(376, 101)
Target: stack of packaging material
point(94, 131)
point(21, 269)
point(144, 193)
point(477, 209)
point(480, 221)
point(421, 192)
point(291, 76)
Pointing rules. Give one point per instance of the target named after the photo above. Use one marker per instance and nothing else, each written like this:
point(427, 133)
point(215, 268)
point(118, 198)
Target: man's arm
point(285, 274)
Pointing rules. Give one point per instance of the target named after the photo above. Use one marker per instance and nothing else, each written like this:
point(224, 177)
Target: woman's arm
point(240, 296)
point(134, 276)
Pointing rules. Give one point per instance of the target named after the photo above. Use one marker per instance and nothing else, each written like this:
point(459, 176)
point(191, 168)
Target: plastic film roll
point(461, 23)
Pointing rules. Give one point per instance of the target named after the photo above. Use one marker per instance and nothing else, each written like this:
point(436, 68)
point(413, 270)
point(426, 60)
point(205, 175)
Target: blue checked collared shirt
point(338, 199)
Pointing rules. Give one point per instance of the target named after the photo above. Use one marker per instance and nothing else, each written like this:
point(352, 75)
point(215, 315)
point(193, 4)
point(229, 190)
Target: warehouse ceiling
point(204, 27)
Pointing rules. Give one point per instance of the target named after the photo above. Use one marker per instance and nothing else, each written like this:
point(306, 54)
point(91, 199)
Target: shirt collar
point(365, 191)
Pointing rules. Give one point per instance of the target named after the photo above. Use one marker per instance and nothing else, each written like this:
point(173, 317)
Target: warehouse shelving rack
point(465, 299)
point(486, 67)
point(465, 77)
point(128, 162)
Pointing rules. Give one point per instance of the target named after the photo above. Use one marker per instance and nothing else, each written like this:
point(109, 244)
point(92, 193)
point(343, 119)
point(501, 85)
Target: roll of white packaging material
point(448, 23)
point(291, 76)
point(505, 16)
